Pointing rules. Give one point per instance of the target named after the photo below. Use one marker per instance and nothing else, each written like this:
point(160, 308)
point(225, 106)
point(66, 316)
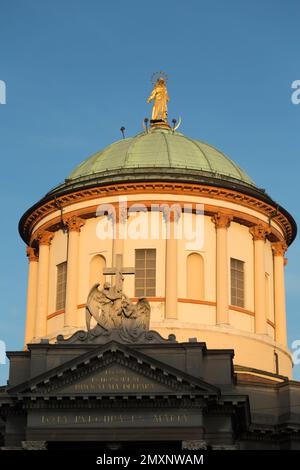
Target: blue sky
point(76, 71)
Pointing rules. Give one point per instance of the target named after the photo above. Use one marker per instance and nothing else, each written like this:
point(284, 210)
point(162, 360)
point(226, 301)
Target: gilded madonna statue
point(160, 97)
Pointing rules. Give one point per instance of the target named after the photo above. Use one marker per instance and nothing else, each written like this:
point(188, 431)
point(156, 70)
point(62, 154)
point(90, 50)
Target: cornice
point(265, 205)
point(211, 210)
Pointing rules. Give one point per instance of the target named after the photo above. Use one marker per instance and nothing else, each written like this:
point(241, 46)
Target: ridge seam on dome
point(240, 172)
point(106, 150)
point(87, 163)
point(168, 149)
point(132, 143)
point(203, 153)
point(237, 168)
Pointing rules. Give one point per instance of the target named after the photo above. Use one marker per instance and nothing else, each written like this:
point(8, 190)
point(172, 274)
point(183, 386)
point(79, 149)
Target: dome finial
point(122, 129)
point(160, 97)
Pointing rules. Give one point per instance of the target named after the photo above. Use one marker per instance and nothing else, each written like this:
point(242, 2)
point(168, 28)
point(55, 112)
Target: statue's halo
point(158, 75)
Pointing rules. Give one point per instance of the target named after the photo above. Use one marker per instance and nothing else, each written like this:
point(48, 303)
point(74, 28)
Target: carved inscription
point(87, 419)
point(115, 379)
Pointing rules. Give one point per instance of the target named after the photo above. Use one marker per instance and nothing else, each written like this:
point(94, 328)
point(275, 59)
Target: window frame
point(61, 286)
point(145, 262)
point(237, 275)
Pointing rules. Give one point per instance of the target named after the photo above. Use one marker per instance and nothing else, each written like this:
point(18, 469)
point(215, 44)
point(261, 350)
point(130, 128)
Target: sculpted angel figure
point(113, 310)
point(161, 98)
point(103, 305)
point(135, 317)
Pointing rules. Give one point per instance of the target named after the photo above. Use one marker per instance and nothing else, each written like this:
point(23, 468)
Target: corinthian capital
point(44, 238)
point(279, 248)
point(260, 232)
point(30, 252)
point(222, 220)
point(74, 223)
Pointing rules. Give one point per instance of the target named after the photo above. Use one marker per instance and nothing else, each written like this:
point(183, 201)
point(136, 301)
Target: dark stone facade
point(80, 392)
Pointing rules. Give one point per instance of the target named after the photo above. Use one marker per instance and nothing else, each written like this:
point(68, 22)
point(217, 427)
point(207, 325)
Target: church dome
point(217, 281)
point(159, 153)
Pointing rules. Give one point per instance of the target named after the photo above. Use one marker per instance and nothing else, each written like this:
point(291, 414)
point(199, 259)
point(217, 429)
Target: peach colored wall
point(196, 313)
point(97, 265)
point(202, 317)
point(270, 271)
point(240, 246)
point(241, 321)
point(55, 325)
point(89, 246)
point(208, 253)
point(58, 254)
point(195, 276)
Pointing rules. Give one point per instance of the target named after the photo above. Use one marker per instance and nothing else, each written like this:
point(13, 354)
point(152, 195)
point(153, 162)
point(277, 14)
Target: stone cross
point(118, 271)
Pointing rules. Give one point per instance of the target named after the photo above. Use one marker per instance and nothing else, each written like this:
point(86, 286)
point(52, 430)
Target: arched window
point(97, 265)
point(195, 276)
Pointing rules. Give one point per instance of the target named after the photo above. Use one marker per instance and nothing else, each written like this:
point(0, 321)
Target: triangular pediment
point(114, 370)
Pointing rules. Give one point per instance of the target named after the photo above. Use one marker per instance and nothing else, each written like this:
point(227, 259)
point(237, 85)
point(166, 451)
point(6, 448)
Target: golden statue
point(160, 97)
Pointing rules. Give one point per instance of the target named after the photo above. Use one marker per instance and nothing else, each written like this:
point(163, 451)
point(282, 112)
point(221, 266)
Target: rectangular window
point(237, 282)
point(61, 286)
point(145, 272)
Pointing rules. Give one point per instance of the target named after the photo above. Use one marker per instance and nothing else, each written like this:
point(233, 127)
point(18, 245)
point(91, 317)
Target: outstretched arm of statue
point(152, 96)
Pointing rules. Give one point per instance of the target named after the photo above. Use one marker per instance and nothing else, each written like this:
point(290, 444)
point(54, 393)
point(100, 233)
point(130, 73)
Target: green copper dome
point(160, 151)
point(157, 156)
